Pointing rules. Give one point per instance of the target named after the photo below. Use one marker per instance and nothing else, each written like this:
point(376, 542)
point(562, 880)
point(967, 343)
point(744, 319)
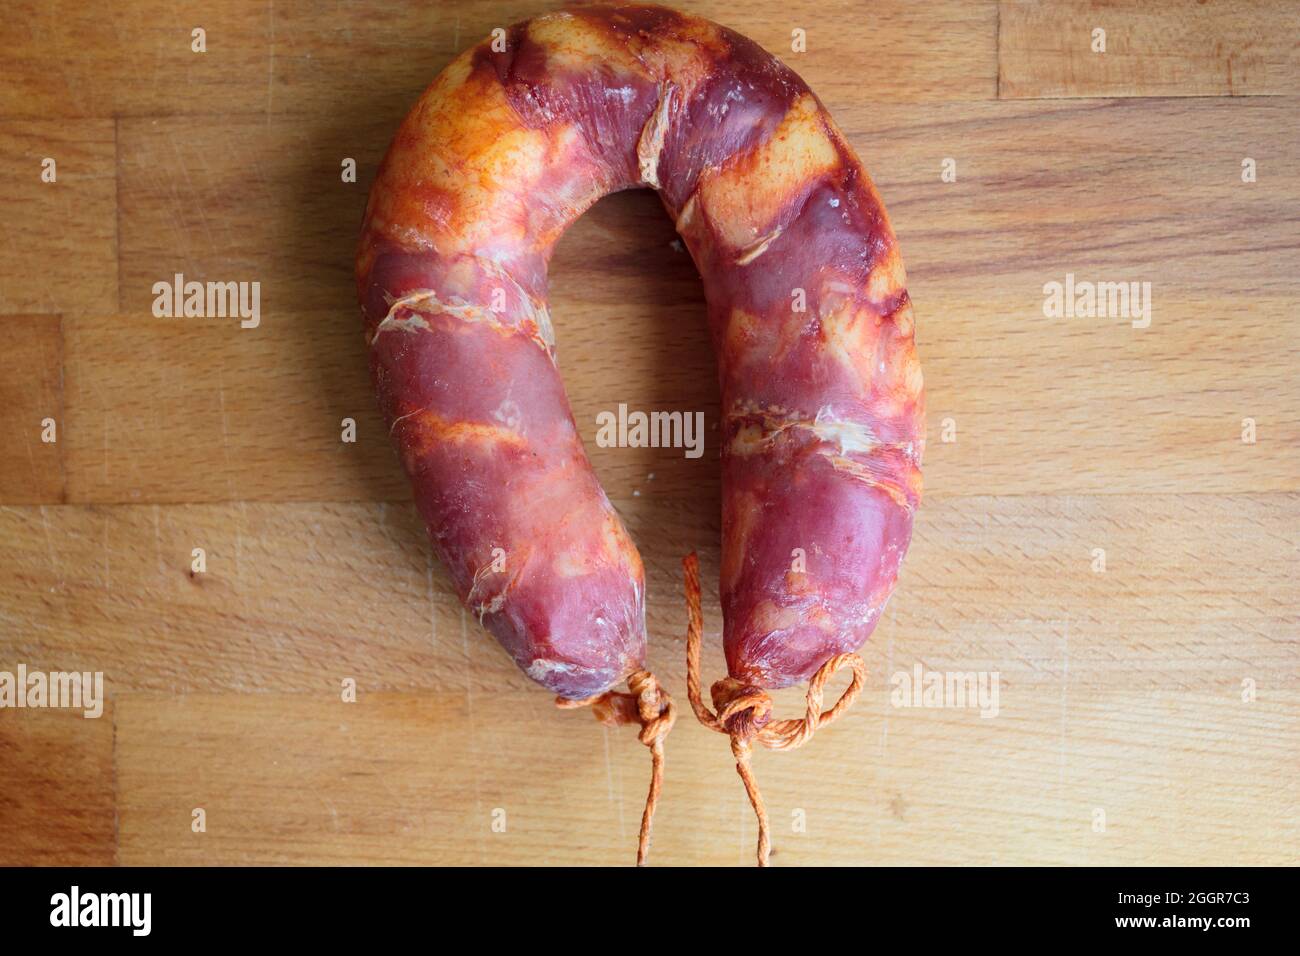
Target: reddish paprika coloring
point(823, 409)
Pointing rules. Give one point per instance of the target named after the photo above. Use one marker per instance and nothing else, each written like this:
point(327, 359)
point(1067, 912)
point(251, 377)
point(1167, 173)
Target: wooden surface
point(1124, 692)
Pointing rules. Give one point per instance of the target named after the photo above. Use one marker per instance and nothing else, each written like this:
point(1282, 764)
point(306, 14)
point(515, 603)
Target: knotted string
point(745, 711)
point(651, 707)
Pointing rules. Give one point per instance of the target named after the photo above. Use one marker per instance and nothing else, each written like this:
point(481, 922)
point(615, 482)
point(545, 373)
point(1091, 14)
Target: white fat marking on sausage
point(401, 418)
point(847, 435)
point(540, 669)
point(850, 436)
point(651, 143)
point(426, 300)
point(687, 215)
point(410, 237)
point(536, 311)
point(491, 607)
point(542, 317)
point(509, 413)
point(481, 604)
point(758, 248)
point(843, 437)
point(868, 476)
point(411, 323)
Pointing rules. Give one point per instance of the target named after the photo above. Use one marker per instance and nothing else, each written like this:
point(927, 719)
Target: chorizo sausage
point(808, 311)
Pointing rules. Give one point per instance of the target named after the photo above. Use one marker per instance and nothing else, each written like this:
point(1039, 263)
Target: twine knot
point(743, 709)
point(744, 712)
point(649, 705)
point(655, 709)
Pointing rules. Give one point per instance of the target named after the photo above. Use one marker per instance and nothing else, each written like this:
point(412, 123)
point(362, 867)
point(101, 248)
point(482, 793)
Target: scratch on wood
point(225, 434)
point(157, 542)
point(473, 735)
point(270, 61)
point(49, 547)
point(1065, 694)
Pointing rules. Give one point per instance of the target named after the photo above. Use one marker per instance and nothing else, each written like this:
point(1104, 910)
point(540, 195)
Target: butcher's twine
point(745, 712)
point(651, 707)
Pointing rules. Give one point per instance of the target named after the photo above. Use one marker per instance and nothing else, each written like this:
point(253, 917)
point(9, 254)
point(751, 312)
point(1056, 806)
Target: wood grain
point(299, 597)
point(1208, 48)
point(213, 411)
point(1174, 210)
point(1123, 189)
point(1018, 403)
point(404, 779)
point(304, 56)
point(65, 58)
point(1025, 392)
point(1159, 696)
point(31, 391)
point(58, 798)
point(61, 251)
point(275, 210)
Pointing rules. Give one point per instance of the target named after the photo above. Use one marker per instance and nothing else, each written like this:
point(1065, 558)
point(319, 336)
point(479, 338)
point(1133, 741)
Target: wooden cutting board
point(1112, 511)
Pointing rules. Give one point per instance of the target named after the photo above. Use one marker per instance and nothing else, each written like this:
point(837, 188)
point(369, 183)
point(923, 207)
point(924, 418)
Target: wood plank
point(1166, 767)
point(1163, 202)
point(64, 58)
point(31, 391)
point(295, 597)
point(57, 790)
point(1194, 778)
point(1013, 584)
point(62, 255)
point(299, 597)
point(273, 210)
point(1208, 48)
point(1095, 406)
point(942, 51)
point(341, 59)
point(1020, 388)
point(202, 409)
point(1161, 692)
point(363, 776)
point(185, 410)
point(1146, 190)
point(1023, 394)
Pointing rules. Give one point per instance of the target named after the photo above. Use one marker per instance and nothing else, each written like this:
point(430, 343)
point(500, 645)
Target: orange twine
point(651, 707)
point(745, 712)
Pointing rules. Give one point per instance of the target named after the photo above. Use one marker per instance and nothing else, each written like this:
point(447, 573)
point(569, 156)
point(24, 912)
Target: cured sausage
point(823, 421)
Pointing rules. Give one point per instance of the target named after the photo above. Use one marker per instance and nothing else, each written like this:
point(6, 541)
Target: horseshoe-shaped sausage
point(823, 421)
